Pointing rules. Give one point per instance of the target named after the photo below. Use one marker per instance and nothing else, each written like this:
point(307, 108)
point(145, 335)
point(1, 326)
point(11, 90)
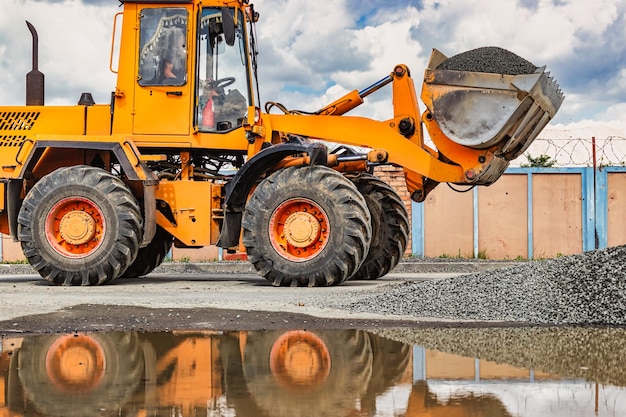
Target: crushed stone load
point(587, 288)
point(490, 59)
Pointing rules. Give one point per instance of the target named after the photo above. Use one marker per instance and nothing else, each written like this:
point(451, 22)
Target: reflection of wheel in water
point(80, 375)
point(390, 362)
point(302, 373)
point(151, 256)
point(390, 227)
point(306, 226)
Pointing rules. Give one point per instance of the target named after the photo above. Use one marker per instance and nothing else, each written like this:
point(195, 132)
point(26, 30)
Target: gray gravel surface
point(587, 288)
point(488, 59)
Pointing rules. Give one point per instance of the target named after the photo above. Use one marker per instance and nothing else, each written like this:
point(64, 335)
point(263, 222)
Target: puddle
point(425, 372)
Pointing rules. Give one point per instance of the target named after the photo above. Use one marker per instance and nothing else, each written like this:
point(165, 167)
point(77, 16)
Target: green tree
point(542, 160)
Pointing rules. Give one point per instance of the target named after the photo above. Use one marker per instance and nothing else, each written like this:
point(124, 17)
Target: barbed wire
point(577, 152)
point(569, 152)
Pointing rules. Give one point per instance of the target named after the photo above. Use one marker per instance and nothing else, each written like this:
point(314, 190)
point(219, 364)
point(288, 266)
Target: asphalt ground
point(214, 296)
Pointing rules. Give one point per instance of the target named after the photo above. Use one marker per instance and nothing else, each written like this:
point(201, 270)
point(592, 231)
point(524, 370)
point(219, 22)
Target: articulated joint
point(407, 127)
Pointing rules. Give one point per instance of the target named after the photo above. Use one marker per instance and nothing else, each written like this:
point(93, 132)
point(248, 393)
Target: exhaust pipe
point(35, 78)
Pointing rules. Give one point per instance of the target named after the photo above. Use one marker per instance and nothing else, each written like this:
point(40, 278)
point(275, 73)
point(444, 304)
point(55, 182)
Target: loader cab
point(192, 70)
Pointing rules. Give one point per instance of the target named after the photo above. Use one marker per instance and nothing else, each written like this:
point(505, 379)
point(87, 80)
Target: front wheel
point(306, 226)
point(80, 225)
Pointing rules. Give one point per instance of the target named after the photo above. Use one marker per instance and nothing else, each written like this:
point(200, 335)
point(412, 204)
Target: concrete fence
point(528, 213)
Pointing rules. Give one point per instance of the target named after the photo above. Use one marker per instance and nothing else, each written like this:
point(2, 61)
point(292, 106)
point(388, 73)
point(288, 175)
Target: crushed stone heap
point(581, 289)
point(490, 59)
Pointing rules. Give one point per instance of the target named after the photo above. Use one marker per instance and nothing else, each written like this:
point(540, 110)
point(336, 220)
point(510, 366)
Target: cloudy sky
point(312, 51)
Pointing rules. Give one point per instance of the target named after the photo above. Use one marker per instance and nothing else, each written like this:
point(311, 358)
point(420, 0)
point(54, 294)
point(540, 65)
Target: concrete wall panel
point(503, 218)
point(448, 223)
point(616, 207)
point(557, 215)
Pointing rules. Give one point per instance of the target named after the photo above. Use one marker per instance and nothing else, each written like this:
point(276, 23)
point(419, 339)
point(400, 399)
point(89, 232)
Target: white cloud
point(313, 51)
point(74, 45)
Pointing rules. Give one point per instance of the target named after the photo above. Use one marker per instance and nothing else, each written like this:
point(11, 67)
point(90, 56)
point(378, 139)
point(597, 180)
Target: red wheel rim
point(299, 360)
point(299, 229)
point(75, 363)
point(75, 227)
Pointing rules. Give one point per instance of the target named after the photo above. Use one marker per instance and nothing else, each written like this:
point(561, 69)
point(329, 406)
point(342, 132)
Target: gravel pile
point(588, 288)
point(489, 59)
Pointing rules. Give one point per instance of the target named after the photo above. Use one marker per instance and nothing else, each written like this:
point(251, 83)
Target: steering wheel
point(219, 84)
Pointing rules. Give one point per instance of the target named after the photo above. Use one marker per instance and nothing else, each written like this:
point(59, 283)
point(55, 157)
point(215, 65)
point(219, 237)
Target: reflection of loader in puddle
point(256, 373)
point(294, 373)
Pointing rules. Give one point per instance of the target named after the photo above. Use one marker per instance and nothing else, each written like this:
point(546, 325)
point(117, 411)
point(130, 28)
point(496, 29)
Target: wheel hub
point(75, 363)
point(77, 227)
point(300, 360)
point(301, 229)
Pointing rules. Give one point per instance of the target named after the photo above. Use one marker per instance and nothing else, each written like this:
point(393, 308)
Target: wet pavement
point(229, 344)
point(387, 372)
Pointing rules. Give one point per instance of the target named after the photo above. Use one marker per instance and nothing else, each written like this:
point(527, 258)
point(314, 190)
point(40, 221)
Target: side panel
point(20, 124)
point(190, 204)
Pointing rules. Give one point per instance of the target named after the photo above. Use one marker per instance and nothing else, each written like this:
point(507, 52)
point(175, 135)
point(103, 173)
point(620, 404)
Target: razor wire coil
point(577, 152)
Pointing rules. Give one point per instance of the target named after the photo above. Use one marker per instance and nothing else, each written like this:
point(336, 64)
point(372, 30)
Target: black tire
point(335, 392)
point(107, 381)
point(336, 234)
point(109, 230)
point(390, 227)
point(151, 256)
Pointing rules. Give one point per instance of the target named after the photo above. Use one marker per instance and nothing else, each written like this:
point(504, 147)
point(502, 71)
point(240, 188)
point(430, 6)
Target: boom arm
point(500, 115)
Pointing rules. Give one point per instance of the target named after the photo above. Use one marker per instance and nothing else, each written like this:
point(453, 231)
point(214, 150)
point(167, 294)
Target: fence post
point(417, 228)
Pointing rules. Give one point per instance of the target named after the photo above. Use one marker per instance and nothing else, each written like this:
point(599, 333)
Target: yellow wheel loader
point(185, 154)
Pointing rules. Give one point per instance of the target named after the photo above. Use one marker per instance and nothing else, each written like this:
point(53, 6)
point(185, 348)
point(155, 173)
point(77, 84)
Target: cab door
point(163, 93)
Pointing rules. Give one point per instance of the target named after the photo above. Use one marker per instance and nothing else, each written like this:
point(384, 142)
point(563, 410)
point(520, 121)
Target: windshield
point(222, 75)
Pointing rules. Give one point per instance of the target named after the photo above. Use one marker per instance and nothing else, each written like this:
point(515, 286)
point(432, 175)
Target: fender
point(238, 189)
point(134, 171)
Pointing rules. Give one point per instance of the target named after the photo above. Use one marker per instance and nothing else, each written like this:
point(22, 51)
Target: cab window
point(163, 47)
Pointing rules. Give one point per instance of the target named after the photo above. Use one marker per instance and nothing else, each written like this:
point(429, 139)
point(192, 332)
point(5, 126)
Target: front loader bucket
point(480, 110)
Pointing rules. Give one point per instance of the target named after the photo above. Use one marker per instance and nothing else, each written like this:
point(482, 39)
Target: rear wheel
point(390, 227)
point(151, 256)
point(80, 226)
point(306, 226)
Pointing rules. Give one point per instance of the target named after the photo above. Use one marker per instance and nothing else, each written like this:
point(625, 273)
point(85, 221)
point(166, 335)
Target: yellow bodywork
point(148, 122)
